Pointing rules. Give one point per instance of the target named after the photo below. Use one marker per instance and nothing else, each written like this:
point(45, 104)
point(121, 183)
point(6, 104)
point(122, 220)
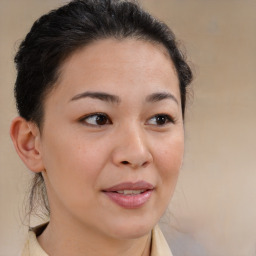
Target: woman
point(101, 93)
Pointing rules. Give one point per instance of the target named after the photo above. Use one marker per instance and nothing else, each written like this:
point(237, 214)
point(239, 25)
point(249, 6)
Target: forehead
point(117, 64)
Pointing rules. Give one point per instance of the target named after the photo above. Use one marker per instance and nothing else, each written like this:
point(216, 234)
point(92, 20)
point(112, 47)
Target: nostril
point(145, 164)
point(125, 162)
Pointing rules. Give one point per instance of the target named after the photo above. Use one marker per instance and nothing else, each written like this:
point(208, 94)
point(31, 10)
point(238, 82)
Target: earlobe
point(26, 139)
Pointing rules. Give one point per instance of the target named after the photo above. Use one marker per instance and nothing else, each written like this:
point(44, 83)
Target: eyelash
point(106, 119)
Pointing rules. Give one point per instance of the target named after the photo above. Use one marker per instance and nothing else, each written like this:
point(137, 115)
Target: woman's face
point(112, 138)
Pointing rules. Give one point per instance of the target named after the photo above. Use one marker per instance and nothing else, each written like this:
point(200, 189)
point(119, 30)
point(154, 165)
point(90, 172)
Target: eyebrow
point(158, 96)
point(154, 97)
point(98, 95)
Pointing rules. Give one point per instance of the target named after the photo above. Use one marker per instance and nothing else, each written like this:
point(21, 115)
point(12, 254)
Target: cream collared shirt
point(159, 245)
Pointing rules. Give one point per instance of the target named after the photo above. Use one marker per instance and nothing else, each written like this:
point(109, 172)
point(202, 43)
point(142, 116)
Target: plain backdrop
point(213, 211)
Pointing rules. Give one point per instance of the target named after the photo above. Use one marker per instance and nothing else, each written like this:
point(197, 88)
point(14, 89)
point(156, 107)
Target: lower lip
point(130, 201)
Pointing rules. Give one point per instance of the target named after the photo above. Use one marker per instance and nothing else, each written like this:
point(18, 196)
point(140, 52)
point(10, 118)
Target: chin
point(133, 229)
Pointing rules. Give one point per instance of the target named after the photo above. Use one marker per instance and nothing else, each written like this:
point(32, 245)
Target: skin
point(79, 158)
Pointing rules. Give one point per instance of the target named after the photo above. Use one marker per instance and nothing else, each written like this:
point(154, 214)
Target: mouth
point(130, 195)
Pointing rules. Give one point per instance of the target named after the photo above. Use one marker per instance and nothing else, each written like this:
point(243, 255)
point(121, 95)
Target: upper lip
point(140, 185)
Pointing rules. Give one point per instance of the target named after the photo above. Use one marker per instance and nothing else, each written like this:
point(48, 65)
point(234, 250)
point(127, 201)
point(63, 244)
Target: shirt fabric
point(159, 246)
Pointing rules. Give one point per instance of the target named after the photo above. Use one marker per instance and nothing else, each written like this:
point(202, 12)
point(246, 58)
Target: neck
point(67, 239)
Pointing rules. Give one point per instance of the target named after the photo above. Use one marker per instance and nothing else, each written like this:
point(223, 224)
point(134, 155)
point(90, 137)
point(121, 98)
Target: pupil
point(161, 120)
point(101, 120)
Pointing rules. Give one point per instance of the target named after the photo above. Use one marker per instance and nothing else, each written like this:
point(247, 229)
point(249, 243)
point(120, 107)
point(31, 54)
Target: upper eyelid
point(163, 114)
point(94, 114)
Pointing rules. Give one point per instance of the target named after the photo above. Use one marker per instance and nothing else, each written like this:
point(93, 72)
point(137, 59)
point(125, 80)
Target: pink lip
point(140, 185)
point(132, 201)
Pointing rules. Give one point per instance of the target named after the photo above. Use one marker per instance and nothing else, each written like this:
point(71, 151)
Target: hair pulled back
point(56, 35)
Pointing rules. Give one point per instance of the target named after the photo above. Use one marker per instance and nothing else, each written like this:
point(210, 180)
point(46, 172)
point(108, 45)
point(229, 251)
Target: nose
point(131, 149)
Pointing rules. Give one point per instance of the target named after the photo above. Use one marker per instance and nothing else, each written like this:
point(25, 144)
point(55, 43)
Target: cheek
point(169, 160)
point(73, 168)
point(72, 153)
point(72, 164)
point(171, 154)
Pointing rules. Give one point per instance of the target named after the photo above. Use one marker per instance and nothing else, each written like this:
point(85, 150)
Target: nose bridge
point(132, 148)
point(136, 139)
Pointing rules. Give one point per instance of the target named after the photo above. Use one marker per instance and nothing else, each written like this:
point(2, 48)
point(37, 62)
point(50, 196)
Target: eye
point(160, 120)
point(97, 119)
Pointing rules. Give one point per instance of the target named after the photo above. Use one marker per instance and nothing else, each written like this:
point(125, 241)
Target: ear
point(26, 139)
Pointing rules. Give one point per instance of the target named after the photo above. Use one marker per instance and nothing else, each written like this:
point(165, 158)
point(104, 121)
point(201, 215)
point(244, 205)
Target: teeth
point(130, 192)
point(136, 192)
